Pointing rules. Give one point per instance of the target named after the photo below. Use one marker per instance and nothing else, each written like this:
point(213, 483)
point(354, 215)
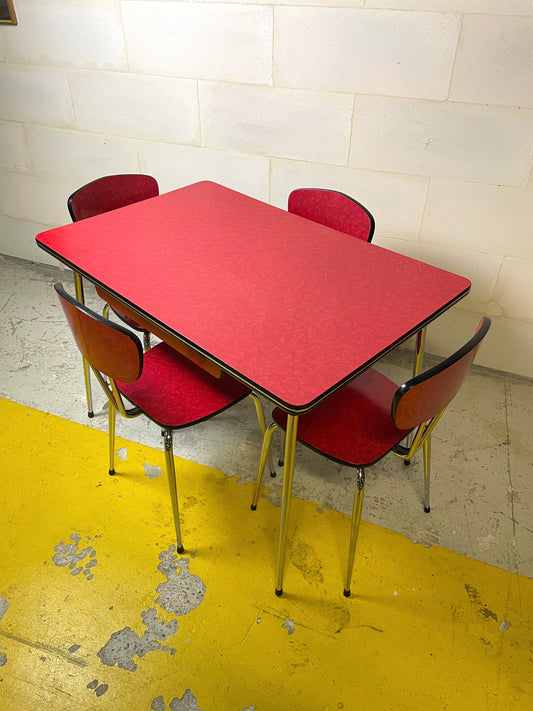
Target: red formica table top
point(289, 306)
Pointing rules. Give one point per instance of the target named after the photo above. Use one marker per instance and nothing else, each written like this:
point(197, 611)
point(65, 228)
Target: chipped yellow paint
point(86, 565)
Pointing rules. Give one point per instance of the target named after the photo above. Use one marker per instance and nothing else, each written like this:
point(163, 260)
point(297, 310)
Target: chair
point(160, 383)
point(370, 416)
point(333, 209)
point(102, 195)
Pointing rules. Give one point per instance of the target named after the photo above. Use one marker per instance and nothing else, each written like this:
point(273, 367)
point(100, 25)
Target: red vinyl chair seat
point(354, 425)
point(189, 394)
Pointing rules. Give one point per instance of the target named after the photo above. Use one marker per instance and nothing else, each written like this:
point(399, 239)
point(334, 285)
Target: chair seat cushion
point(175, 392)
point(354, 425)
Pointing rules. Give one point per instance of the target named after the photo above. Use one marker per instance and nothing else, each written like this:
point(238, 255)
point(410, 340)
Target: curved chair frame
point(117, 360)
point(104, 194)
point(415, 407)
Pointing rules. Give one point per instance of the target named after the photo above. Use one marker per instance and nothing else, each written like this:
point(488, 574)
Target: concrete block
point(200, 40)
point(494, 61)
point(285, 123)
point(31, 199)
point(35, 94)
point(69, 33)
point(14, 154)
point(157, 108)
point(75, 155)
point(17, 239)
point(365, 51)
point(486, 218)
point(486, 144)
point(176, 166)
point(497, 7)
point(513, 295)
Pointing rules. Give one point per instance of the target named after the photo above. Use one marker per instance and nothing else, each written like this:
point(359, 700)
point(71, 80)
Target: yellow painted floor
point(98, 612)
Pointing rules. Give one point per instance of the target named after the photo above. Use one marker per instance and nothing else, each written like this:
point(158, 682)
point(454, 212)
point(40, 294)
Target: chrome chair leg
point(356, 520)
point(417, 367)
point(78, 286)
point(288, 471)
point(261, 419)
point(265, 449)
point(171, 475)
point(427, 473)
point(88, 389)
point(281, 449)
point(112, 417)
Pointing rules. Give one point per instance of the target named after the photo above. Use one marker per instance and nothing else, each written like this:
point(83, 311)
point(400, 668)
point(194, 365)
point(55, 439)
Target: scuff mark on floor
point(67, 554)
point(122, 453)
point(125, 644)
point(304, 557)
point(475, 599)
point(152, 471)
point(273, 496)
point(46, 647)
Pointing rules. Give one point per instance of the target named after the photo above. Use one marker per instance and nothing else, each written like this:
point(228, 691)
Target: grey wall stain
point(125, 644)
point(151, 471)
point(182, 591)
point(3, 659)
point(158, 704)
point(68, 554)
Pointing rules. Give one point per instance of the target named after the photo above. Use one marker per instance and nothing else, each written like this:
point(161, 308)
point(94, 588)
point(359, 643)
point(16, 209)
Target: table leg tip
point(279, 592)
point(346, 593)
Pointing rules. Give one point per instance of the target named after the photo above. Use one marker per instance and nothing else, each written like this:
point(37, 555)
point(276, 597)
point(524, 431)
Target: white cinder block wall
point(421, 109)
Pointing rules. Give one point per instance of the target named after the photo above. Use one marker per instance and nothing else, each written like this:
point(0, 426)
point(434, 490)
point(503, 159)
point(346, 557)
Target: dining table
point(289, 307)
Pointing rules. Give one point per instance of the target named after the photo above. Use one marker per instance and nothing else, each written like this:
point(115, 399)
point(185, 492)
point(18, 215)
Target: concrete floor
point(482, 486)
